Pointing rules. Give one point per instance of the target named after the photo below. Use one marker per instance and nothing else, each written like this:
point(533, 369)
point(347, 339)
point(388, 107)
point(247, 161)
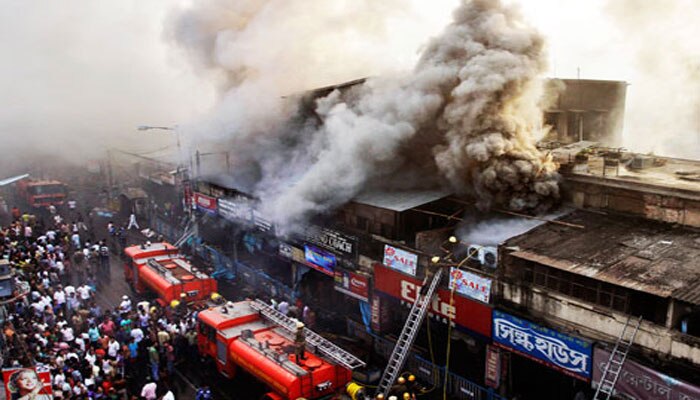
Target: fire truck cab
point(41, 193)
point(237, 335)
point(160, 268)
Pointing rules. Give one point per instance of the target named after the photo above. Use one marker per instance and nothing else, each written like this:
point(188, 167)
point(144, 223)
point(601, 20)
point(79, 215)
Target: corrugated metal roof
point(400, 200)
point(638, 254)
point(690, 293)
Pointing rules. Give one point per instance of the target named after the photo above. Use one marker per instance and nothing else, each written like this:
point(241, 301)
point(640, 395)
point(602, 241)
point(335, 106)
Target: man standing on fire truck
point(299, 342)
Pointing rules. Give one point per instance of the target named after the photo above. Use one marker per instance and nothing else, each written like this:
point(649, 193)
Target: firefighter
point(299, 342)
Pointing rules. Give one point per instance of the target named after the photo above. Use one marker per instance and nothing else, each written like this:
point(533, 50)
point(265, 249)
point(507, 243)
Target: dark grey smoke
point(466, 118)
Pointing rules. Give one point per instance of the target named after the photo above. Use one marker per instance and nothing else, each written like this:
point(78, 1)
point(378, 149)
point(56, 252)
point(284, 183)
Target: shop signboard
point(572, 356)
point(27, 383)
point(319, 260)
point(236, 209)
point(352, 284)
point(329, 239)
point(205, 203)
point(381, 315)
point(492, 372)
point(640, 382)
point(294, 253)
point(470, 285)
point(400, 260)
point(465, 313)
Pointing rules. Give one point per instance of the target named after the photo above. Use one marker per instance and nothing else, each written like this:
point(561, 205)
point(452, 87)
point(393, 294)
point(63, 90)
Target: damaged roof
point(638, 254)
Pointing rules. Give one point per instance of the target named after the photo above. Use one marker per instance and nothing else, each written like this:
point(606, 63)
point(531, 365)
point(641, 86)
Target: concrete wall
point(586, 110)
point(665, 207)
point(595, 323)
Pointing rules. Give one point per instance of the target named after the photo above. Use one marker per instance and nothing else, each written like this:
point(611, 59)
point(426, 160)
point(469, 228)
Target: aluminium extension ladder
point(613, 367)
point(408, 335)
point(316, 341)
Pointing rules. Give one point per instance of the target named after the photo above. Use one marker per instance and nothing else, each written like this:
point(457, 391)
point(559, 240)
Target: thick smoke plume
point(466, 118)
point(663, 114)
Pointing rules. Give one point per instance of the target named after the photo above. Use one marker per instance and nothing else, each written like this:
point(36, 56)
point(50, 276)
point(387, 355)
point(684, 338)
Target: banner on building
point(568, 354)
point(400, 260)
point(465, 313)
point(640, 382)
point(352, 284)
point(332, 240)
point(470, 285)
point(27, 383)
point(292, 252)
point(492, 374)
point(319, 260)
point(205, 203)
point(236, 209)
point(381, 315)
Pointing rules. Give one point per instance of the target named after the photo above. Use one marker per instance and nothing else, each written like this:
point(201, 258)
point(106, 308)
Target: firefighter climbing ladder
point(315, 340)
point(617, 360)
point(408, 335)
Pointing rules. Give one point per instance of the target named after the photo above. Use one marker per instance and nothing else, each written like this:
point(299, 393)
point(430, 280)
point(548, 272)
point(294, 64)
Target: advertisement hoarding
point(27, 383)
point(400, 260)
point(572, 356)
point(470, 285)
point(205, 203)
point(352, 284)
point(320, 260)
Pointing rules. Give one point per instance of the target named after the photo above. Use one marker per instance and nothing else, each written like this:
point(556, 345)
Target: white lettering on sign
point(409, 292)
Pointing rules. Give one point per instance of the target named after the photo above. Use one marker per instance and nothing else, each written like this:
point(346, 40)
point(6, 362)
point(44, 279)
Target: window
point(580, 287)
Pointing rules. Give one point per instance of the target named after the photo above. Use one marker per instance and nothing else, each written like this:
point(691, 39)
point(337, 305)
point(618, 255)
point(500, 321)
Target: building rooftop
point(647, 173)
point(400, 200)
point(638, 254)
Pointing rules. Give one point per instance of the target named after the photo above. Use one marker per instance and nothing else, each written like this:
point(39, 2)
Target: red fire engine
point(259, 339)
point(161, 268)
point(41, 193)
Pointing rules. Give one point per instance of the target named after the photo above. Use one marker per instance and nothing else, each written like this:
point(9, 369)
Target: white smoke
point(466, 117)
point(663, 113)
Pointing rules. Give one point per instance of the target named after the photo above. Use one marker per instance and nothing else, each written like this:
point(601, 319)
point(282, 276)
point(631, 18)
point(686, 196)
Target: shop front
point(541, 354)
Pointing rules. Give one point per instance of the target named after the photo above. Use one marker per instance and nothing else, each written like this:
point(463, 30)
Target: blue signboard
point(319, 259)
point(571, 355)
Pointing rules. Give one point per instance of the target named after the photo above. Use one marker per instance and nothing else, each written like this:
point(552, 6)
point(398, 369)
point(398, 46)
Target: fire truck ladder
point(617, 359)
point(321, 344)
point(408, 335)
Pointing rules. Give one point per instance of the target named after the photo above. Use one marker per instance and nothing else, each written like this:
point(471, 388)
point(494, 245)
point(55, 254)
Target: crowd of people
point(92, 350)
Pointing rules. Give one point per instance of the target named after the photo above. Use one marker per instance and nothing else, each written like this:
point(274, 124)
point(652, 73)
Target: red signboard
point(27, 383)
point(204, 202)
point(465, 313)
point(493, 366)
point(352, 284)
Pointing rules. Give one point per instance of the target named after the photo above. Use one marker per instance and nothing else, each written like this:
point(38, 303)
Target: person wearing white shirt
point(84, 292)
point(69, 289)
point(59, 296)
point(137, 334)
point(67, 333)
point(113, 348)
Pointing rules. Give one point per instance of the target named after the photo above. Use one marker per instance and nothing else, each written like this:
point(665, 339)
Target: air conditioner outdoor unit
point(473, 252)
point(488, 256)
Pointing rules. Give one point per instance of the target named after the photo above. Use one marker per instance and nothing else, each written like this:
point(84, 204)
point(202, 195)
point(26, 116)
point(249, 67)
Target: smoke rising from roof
point(466, 117)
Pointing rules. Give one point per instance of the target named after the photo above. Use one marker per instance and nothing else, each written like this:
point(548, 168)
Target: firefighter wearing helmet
point(299, 342)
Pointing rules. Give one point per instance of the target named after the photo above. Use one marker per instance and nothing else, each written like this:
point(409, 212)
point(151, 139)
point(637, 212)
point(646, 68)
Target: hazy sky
point(79, 74)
